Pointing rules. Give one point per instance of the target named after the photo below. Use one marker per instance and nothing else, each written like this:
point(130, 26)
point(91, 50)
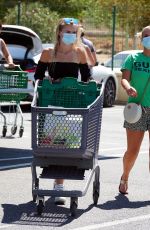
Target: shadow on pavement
point(122, 201)
point(57, 216)
point(11, 158)
point(14, 151)
point(104, 157)
point(53, 215)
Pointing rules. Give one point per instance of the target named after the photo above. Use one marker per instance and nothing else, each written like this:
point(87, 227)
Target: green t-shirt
point(139, 65)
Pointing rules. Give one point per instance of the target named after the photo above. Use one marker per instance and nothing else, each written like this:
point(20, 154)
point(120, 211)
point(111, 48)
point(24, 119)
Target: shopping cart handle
point(3, 66)
point(6, 66)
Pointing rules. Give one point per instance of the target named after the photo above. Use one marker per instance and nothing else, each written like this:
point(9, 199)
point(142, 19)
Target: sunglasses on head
point(71, 20)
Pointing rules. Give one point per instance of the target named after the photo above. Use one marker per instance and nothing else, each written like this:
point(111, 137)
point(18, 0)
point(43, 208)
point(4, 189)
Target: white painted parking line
point(114, 223)
point(6, 226)
point(101, 225)
point(14, 166)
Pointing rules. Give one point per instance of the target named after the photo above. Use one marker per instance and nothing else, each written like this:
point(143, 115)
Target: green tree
point(35, 16)
point(67, 8)
point(130, 14)
point(4, 5)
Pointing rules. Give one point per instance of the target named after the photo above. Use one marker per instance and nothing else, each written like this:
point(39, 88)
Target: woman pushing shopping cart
point(66, 123)
point(60, 115)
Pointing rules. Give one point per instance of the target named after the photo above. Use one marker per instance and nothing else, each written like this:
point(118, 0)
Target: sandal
point(123, 187)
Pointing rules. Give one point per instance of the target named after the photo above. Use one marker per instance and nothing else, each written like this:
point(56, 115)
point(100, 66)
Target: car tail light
point(31, 70)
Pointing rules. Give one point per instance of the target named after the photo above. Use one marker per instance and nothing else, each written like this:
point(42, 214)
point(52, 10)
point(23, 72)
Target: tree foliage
point(130, 14)
point(35, 16)
point(42, 15)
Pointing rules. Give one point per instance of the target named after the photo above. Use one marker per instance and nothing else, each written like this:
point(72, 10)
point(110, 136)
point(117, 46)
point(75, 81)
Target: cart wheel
point(13, 129)
point(35, 186)
point(4, 131)
point(95, 192)
point(40, 207)
point(21, 132)
point(73, 206)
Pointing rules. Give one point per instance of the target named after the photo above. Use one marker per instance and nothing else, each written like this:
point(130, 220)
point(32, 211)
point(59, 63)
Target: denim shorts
point(143, 124)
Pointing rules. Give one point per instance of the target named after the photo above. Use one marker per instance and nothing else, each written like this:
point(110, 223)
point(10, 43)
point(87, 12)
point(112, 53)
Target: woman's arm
point(85, 69)
point(90, 58)
point(6, 54)
point(125, 82)
point(42, 64)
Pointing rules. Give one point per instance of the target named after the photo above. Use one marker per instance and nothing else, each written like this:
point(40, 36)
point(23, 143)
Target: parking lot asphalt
point(113, 211)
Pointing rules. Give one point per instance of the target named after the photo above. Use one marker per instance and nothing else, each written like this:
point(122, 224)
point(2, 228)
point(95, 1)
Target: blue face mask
point(69, 38)
point(146, 42)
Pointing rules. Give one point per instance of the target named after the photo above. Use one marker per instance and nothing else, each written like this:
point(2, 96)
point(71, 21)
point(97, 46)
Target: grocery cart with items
point(13, 89)
point(66, 124)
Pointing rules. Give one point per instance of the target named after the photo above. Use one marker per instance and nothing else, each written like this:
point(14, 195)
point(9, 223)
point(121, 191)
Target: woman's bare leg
point(59, 181)
point(134, 140)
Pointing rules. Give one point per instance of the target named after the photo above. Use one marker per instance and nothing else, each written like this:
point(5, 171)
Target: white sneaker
point(59, 200)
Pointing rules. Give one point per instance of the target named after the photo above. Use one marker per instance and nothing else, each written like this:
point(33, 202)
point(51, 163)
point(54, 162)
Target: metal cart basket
point(13, 88)
point(66, 124)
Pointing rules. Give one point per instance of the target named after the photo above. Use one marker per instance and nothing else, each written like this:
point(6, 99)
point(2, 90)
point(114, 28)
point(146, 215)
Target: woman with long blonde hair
point(66, 59)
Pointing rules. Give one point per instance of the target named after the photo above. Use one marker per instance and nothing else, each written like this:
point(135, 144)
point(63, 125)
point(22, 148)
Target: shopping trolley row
point(13, 89)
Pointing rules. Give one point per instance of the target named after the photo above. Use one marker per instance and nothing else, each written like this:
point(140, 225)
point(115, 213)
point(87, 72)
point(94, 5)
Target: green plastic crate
point(69, 93)
point(16, 97)
point(13, 79)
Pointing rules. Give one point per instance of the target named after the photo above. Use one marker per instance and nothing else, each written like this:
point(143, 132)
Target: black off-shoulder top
point(58, 70)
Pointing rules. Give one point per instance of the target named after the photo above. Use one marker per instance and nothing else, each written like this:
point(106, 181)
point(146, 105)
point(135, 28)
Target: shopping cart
point(13, 88)
point(66, 124)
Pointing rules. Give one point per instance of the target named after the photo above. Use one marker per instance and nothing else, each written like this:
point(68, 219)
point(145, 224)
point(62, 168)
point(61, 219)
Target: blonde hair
point(147, 27)
point(60, 26)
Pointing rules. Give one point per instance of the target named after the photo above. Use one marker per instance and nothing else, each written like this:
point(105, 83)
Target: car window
point(17, 51)
point(16, 38)
point(118, 61)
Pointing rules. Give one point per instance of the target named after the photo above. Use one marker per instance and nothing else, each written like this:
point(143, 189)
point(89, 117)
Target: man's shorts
point(143, 124)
